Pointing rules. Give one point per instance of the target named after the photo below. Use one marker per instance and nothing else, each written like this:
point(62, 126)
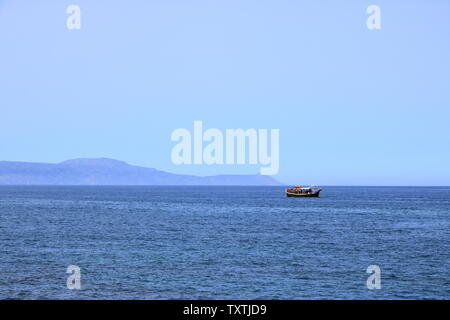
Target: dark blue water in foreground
point(224, 242)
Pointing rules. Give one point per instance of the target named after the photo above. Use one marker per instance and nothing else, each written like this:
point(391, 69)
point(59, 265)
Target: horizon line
point(281, 183)
point(218, 185)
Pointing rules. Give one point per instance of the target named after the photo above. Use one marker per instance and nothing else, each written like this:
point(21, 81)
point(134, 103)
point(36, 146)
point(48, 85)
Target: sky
point(353, 106)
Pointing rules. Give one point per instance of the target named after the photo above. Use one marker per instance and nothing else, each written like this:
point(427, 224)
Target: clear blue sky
point(354, 106)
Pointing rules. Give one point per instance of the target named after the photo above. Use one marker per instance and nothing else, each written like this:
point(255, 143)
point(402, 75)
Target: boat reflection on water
point(298, 191)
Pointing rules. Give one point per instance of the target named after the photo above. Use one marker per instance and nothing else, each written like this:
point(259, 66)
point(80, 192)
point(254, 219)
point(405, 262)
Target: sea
point(211, 242)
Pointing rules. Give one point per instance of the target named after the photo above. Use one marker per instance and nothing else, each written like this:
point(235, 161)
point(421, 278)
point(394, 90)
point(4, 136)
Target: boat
point(307, 192)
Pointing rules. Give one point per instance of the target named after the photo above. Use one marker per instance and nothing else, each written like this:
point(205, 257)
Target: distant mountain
point(103, 171)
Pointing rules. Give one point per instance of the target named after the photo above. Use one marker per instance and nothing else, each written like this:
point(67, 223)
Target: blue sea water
point(224, 242)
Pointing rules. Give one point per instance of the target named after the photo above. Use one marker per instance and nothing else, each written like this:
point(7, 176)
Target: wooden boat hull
point(303, 195)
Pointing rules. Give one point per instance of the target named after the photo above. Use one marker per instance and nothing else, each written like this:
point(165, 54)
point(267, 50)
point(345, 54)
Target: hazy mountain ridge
point(104, 171)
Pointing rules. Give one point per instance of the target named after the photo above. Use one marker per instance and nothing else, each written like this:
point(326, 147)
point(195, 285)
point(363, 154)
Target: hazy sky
point(354, 106)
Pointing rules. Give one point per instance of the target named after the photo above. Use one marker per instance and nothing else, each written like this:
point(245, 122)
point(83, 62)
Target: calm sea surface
point(224, 242)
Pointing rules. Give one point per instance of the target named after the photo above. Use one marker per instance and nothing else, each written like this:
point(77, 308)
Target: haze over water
point(224, 242)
